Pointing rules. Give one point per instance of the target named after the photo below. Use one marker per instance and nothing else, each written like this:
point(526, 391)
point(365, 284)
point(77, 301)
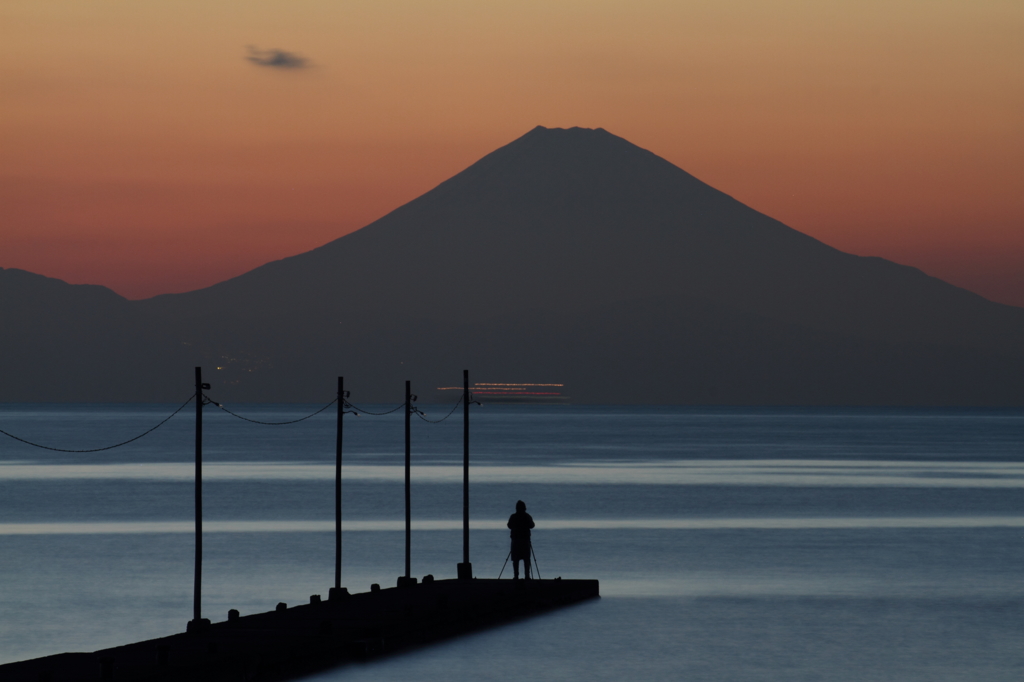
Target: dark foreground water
point(731, 544)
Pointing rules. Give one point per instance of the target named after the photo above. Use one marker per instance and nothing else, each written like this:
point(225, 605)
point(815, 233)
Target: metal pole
point(408, 497)
point(465, 466)
point(197, 588)
point(337, 484)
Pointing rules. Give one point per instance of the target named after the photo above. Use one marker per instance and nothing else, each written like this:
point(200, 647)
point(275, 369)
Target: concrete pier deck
point(292, 642)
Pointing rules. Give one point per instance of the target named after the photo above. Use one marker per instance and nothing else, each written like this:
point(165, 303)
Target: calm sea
point(731, 544)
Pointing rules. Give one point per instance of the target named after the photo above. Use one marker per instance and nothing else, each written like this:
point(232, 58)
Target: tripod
point(532, 553)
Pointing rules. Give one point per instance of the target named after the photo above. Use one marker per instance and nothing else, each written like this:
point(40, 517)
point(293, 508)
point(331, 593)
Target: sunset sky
point(159, 147)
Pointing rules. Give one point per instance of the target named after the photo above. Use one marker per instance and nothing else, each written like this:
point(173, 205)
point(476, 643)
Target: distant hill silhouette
point(568, 255)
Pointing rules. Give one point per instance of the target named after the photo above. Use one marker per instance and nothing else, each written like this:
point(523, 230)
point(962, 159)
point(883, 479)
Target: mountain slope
point(566, 219)
point(63, 342)
point(574, 255)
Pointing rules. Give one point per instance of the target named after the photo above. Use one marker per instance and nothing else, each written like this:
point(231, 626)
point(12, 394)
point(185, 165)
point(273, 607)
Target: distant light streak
point(515, 393)
point(519, 384)
point(500, 387)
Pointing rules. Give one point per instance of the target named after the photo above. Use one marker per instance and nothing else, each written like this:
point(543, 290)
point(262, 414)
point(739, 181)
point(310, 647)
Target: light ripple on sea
point(822, 523)
point(789, 473)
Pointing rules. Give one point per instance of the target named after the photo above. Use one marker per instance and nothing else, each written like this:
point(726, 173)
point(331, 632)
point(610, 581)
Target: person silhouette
point(520, 524)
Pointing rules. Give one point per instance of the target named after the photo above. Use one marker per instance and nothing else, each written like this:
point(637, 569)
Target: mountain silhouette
point(565, 256)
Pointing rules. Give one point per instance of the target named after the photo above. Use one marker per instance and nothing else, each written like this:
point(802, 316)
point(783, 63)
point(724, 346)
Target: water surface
point(731, 544)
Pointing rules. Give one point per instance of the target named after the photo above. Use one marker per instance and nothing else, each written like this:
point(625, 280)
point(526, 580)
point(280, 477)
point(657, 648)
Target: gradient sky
point(159, 147)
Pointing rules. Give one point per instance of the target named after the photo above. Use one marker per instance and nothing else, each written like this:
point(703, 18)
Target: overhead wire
point(257, 421)
point(438, 421)
point(108, 447)
point(374, 414)
point(208, 400)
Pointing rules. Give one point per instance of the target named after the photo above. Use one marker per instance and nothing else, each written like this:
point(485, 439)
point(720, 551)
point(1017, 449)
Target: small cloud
point(278, 59)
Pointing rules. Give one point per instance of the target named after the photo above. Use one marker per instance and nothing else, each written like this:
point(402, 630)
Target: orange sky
point(140, 149)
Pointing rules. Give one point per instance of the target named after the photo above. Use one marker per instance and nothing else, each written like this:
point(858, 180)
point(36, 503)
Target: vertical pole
point(465, 569)
point(197, 589)
point(465, 466)
point(337, 484)
point(408, 497)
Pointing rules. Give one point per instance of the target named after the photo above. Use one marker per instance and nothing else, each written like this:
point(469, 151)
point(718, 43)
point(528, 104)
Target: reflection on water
point(728, 639)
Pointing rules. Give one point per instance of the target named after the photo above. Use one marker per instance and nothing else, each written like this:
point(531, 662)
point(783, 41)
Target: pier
point(289, 643)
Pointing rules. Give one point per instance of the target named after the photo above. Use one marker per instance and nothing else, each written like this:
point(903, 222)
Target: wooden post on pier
point(465, 569)
point(337, 485)
point(408, 489)
point(198, 581)
point(338, 591)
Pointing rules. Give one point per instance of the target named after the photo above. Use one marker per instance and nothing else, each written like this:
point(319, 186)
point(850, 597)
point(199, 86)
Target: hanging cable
point(438, 421)
point(256, 421)
point(374, 414)
point(108, 447)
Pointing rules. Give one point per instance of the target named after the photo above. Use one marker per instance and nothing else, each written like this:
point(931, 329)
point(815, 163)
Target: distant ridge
point(568, 254)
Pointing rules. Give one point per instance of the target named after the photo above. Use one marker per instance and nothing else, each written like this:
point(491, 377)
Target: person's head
point(520, 506)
